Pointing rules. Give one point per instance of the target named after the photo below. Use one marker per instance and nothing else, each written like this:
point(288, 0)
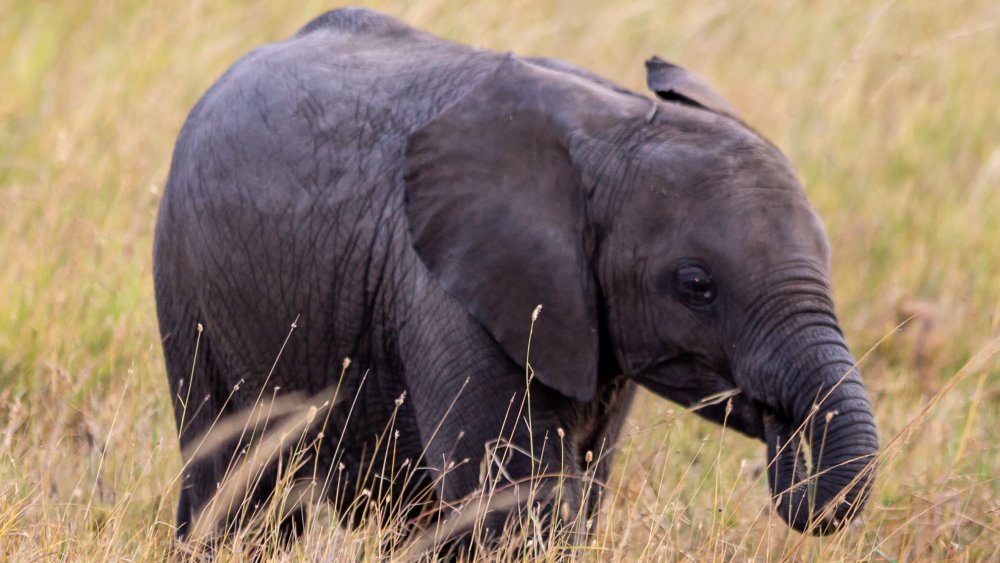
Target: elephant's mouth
point(707, 390)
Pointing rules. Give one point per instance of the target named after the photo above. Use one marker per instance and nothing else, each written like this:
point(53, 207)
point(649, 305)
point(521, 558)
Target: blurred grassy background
point(890, 112)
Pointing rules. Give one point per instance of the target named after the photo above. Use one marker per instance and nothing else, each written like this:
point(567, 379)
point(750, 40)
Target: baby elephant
point(504, 247)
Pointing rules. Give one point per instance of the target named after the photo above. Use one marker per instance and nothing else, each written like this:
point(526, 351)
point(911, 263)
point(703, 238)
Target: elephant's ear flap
point(675, 84)
point(496, 213)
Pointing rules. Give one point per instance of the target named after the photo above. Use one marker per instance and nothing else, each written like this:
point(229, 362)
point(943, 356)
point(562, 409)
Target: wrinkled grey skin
point(412, 200)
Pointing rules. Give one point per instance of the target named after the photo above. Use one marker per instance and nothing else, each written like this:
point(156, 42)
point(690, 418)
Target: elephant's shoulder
point(357, 21)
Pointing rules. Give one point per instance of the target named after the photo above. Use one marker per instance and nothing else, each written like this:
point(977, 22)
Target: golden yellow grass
point(890, 112)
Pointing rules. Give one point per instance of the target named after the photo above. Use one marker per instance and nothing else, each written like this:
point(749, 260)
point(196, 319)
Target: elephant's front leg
point(504, 459)
point(606, 416)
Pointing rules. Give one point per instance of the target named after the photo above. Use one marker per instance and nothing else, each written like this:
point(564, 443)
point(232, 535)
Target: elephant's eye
point(694, 285)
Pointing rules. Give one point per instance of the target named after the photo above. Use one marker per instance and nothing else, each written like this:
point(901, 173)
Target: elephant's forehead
point(759, 229)
point(757, 216)
point(696, 168)
point(763, 225)
point(719, 185)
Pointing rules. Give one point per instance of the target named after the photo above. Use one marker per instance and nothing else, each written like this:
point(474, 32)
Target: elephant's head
point(665, 240)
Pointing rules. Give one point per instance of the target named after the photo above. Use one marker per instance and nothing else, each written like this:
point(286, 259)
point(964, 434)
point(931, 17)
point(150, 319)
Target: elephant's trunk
point(819, 427)
point(821, 462)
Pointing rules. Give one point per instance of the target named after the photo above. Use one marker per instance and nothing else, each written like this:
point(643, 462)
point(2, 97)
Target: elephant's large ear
point(496, 213)
point(673, 83)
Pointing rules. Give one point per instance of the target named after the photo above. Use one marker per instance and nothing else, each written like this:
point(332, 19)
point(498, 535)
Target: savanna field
point(889, 112)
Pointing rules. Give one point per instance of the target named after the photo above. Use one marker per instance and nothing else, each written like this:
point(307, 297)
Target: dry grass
point(889, 111)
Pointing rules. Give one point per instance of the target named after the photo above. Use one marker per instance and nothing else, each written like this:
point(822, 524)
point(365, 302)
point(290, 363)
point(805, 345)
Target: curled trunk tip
point(821, 474)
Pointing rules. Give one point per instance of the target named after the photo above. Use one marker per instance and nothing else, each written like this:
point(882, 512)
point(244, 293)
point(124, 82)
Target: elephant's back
point(318, 113)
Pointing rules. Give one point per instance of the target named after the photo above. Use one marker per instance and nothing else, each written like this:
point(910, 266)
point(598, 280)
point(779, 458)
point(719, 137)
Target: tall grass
point(888, 110)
